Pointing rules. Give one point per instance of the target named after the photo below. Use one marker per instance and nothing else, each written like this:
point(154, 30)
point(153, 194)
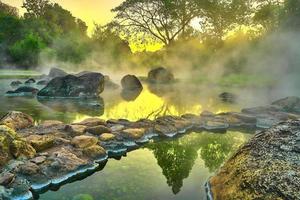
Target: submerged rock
point(22, 91)
point(160, 75)
point(56, 72)
point(267, 167)
point(131, 82)
point(17, 120)
point(15, 83)
point(88, 85)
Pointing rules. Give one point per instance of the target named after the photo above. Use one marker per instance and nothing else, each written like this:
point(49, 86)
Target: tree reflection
point(177, 158)
point(176, 161)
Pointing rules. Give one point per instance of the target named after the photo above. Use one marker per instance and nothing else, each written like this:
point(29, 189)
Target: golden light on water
point(150, 106)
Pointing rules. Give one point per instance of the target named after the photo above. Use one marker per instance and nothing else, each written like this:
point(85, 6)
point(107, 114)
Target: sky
point(90, 11)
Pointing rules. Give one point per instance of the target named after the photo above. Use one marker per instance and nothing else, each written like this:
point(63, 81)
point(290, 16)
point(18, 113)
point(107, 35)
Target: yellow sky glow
point(90, 11)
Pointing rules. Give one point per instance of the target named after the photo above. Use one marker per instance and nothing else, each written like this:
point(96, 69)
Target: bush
point(26, 52)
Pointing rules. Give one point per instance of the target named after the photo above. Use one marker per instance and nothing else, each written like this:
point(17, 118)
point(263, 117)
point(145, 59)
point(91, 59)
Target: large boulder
point(55, 72)
point(160, 75)
point(17, 120)
point(289, 104)
point(88, 85)
point(267, 167)
point(13, 146)
point(131, 82)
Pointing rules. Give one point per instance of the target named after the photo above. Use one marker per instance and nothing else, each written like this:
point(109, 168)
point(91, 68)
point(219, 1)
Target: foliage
point(25, 52)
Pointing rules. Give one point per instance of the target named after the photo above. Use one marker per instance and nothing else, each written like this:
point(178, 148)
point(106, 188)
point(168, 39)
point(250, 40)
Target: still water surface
point(152, 102)
point(168, 170)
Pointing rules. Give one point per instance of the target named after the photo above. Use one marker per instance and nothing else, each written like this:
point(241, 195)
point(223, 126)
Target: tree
point(35, 8)
point(290, 18)
point(8, 10)
point(26, 52)
point(160, 20)
point(222, 16)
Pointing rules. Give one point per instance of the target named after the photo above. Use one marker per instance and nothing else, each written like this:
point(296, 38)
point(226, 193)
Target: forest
point(161, 28)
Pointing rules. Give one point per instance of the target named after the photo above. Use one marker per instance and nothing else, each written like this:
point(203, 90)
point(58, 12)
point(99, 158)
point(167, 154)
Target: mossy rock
point(13, 146)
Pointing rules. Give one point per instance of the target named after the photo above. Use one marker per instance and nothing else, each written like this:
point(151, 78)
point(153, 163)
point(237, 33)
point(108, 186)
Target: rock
point(6, 178)
point(51, 123)
point(131, 82)
point(228, 97)
point(17, 120)
point(264, 168)
point(207, 114)
point(94, 151)
point(115, 128)
point(41, 142)
point(38, 160)
point(29, 169)
point(84, 141)
point(30, 81)
point(55, 72)
point(91, 122)
point(15, 83)
point(22, 91)
point(160, 75)
point(164, 129)
point(98, 130)
point(289, 104)
point(13, 146)
point(63, 160)
point(88, 85)
point(107, 137)
point(261, 110)
point(42, 82)
point(75, 130)
point(134, 133)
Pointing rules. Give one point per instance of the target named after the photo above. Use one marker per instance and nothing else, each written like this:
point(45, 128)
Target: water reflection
point(91, 107)
point(131, 95)
point(169, 170)
point(177, 158)
point(152, 102)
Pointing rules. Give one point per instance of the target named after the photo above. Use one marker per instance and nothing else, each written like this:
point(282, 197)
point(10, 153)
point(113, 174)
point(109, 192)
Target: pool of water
point(152, 102)
point(167, 170)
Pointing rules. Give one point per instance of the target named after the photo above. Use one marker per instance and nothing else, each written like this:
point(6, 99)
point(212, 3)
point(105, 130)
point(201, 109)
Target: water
point(167, 170)
point(152, 102)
